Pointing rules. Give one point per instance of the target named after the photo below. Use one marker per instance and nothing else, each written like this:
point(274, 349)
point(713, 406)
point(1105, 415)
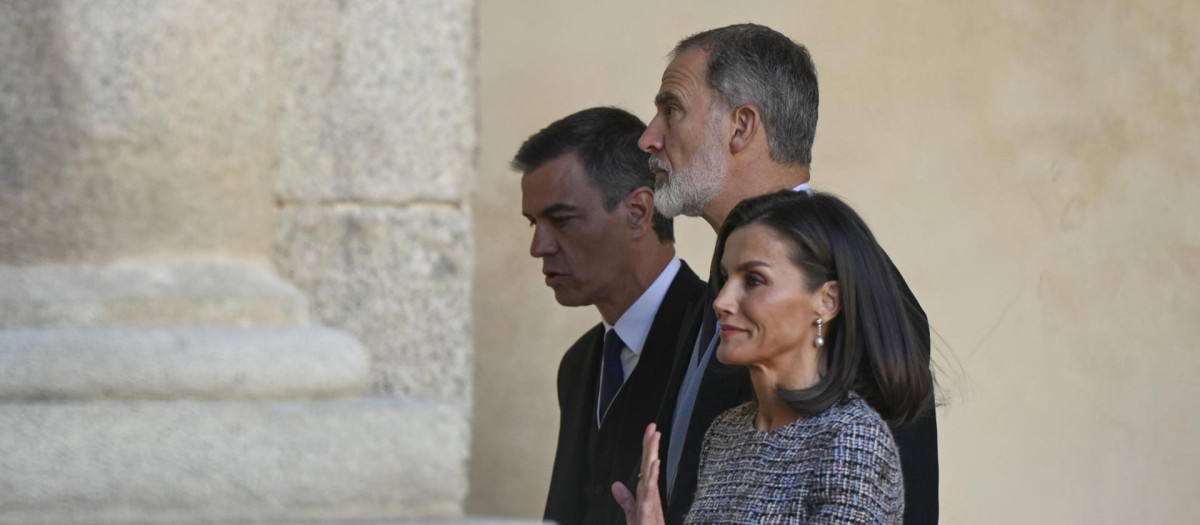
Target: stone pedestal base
point(185, 362)
point(150, 392)
point(159, 462)
point(452, 521)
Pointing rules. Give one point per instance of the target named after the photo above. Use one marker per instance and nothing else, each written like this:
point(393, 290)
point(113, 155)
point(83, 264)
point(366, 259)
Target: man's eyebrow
point(664, 97)
point(557, 207)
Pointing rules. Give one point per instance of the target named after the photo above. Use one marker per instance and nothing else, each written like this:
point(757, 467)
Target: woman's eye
point(754, 280)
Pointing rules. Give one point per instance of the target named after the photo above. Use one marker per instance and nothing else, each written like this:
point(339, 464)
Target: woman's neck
point(773, 411)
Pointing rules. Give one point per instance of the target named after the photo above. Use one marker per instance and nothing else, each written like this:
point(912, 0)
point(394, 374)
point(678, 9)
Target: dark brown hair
point(605, 139)
point(872, 347)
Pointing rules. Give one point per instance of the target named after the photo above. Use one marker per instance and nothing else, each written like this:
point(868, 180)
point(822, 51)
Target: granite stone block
point(398, 279)
point(134, 128)
point(378, 101)
point(161, 462)
point(180, 363)
point(147, 293)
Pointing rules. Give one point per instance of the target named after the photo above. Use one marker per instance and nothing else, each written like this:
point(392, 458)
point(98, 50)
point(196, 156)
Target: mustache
point(659, 164)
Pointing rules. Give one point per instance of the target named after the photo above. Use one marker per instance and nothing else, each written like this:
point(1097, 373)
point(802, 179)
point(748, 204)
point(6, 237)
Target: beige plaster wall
point(1030, 166)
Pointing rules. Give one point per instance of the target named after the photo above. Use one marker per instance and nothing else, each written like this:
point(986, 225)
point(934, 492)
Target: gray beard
point(690, 190)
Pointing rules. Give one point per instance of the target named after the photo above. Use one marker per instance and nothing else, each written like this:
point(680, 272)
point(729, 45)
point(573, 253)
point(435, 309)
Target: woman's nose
point(725, 304)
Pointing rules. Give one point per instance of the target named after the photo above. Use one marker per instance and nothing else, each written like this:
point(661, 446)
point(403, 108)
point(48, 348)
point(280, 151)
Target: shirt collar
point(634, 325)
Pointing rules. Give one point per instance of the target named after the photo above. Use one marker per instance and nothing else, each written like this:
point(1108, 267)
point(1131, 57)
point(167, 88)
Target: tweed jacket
point(723, 387)
point(840, 466)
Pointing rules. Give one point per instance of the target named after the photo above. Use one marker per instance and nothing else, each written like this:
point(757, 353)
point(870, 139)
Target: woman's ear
point(747, 123)
point(827, 300)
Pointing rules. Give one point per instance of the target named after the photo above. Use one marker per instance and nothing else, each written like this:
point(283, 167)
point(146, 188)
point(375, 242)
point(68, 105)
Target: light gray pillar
point(234, 260)
point(377, 153)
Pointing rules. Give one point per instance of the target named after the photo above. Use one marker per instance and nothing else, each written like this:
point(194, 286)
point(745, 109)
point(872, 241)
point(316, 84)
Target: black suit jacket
point(590, 458)
point(723, 387)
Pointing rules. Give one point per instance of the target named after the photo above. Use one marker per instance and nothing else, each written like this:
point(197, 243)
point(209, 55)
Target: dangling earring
point(820, 333)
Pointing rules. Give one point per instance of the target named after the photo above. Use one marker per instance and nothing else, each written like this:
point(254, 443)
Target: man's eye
point(560, 221)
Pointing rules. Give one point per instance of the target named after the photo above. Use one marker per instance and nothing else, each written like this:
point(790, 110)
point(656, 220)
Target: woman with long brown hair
point(809, 304)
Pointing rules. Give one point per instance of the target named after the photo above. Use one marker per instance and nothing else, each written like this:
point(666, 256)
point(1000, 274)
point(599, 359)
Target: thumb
point(624, 497)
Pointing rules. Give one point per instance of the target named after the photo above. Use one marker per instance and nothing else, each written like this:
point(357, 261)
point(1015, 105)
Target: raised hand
point(646, 508)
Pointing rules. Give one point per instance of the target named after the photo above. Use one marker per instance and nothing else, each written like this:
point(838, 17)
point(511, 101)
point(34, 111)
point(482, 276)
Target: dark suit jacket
point(723, 387)
point(590, 459)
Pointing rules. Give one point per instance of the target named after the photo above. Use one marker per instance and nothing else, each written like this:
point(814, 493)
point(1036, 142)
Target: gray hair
point(756, 65)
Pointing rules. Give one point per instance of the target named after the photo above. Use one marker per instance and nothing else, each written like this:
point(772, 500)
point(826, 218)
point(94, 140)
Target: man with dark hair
point(587, 192)
point(737, 114)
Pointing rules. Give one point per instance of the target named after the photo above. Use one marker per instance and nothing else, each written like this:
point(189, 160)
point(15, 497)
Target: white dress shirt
point(634, 325)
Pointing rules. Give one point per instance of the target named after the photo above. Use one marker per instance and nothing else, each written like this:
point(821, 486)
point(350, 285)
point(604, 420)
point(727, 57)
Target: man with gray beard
point(686, 192)
point(737, 114)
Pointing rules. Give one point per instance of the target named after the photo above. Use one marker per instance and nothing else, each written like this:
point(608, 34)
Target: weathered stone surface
point(180, 363)
point(469, 520)
point(189, 461)
point(378, 101)
point(472, 521)
point(147, 293)
point(399, 279)
point(135, 128)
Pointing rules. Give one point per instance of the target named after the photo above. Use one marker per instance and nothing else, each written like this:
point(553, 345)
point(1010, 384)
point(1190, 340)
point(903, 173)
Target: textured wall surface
point(377, 154)
point(1030, 167)
point(237, 461)
point(161, 165)
point(134, 129)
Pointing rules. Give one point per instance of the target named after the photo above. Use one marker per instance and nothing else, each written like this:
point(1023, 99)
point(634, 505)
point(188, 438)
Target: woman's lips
point(727, 331)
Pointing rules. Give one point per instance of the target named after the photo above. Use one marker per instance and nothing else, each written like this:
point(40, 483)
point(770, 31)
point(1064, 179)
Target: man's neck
point(643, 274)
point(752, 180)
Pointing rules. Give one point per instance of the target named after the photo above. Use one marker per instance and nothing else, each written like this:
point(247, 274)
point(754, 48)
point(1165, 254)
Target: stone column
point(165, 168)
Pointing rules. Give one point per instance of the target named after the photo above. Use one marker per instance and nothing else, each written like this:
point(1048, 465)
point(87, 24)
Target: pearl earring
point(820, 333)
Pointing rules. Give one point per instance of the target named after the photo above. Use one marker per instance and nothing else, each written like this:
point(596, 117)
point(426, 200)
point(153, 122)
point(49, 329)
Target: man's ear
point(747, 124)
point(827, 300)
point(641, 210)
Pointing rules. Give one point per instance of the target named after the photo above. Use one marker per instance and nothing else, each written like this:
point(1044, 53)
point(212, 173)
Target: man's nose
point(651, 140)
point(543, 243)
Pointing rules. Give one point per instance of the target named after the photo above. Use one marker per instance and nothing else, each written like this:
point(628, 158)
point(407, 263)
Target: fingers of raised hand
point(649, 506)
point(647, 489)
point(649, 448)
